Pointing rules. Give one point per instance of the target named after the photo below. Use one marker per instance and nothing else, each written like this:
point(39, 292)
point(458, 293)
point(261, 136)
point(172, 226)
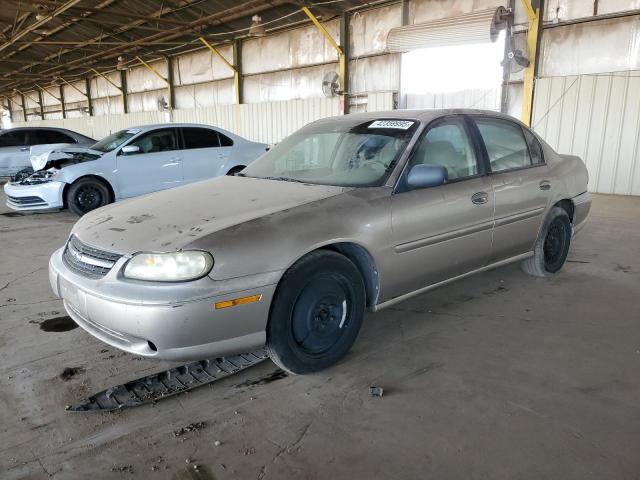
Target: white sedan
point(129, 163)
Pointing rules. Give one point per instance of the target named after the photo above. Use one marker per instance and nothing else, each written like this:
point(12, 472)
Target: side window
point(163, 140)
point(13, 139)
point(535, 149)
point(41, 137)
point(505, 144)
point(447, 144)
point(225, 141)
point(200, 138)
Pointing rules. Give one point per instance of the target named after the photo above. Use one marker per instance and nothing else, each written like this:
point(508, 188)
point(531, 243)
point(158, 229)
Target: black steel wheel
point(316, 313)
point(87, 194)
point(552, 247)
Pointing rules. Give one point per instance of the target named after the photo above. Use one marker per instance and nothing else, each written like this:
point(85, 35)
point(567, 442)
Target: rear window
point(535, 149)
point(41, 137)
point(200, 138)
point(13, 139)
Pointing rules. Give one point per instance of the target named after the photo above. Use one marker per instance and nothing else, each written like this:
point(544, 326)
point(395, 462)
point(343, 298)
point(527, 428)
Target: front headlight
point(169, 267)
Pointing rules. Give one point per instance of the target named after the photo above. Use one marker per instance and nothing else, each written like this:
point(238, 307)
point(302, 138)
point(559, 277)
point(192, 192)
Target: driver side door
point(445, 231)
point(156, 166)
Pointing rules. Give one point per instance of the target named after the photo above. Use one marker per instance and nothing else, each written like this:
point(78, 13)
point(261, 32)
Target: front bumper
point(175, 321)
point(44, 196)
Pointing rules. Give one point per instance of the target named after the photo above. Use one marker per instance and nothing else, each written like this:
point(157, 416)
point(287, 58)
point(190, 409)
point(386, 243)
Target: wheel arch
point(568, 206)
point(96, 177)
point(361, 258)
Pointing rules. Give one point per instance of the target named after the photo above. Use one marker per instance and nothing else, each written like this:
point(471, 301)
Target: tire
point(552, 246)
point(236, 169)
point(316, 313)
point(87, 194)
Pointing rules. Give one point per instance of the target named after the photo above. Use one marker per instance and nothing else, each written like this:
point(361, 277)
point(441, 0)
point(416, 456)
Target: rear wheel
point(87, 194)
point(316, 313)
point(552, 247)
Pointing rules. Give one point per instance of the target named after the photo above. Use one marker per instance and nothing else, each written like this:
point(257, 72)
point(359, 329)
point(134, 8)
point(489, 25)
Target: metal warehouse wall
point(596, 117)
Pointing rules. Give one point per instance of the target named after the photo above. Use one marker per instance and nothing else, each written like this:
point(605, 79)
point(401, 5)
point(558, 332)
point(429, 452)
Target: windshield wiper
point(283, 179)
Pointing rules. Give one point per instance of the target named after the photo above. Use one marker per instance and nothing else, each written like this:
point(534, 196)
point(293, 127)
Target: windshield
point(113, 141)
point(344, 155)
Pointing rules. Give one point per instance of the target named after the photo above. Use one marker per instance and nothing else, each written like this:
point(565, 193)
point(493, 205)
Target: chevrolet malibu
point(128, 163)
point(353, 212)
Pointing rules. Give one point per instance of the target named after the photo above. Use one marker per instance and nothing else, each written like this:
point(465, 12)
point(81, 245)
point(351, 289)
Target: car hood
point(172, 219)
point(59, 155)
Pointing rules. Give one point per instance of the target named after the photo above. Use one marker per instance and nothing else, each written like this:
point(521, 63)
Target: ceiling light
point(257, 29)
point(121, 65)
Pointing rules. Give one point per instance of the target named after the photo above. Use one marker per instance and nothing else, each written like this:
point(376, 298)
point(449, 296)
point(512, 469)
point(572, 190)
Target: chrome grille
point(88, 261)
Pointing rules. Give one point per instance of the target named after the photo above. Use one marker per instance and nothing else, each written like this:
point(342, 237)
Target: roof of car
point(422, 115)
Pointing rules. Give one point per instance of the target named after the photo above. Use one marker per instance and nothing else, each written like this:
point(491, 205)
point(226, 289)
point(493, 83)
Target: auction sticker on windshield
point(399, 124)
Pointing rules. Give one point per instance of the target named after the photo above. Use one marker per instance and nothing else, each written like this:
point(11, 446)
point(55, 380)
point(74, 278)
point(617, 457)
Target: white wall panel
point(593, 47)
point(202, 66)
point(293, 48)
point(369, 29)
point(107, 105)
point(596, 117)
point(220, 92)
point(72, 95)
point(141, 79)
point(100, 87)
point(372, 74)
point(286, 85)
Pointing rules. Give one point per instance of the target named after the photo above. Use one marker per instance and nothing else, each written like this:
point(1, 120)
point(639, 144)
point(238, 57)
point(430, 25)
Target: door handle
point(545, 185)
point(480, 198)
point(24, 149)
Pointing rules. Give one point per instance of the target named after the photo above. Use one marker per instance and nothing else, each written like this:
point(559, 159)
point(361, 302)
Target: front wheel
point(316, 313)
point(552, 247)
point(87, 194)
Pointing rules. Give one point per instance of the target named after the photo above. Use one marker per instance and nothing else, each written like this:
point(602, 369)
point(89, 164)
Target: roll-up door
point(470, 28)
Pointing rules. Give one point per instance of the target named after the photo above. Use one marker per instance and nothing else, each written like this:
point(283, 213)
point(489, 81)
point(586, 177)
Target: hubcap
point(321, 315)
point(88, 198)
point(554, 244)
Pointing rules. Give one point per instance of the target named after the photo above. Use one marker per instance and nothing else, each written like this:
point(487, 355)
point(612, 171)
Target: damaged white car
point(129, 163)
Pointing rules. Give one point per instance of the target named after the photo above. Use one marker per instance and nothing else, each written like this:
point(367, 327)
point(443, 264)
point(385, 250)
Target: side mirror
point(130, 149)
point(425, 176)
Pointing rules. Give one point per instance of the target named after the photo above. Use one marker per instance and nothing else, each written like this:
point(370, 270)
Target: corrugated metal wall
point(267, 122)
point(596, 117)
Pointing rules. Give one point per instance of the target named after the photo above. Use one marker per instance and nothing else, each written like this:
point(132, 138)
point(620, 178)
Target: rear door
point(521, 183)
point(14, 152)
point(203, 155)
point(157, 166)
point(445, 231)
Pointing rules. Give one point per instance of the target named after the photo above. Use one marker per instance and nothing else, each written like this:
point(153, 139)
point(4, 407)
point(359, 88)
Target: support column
point(533, 40)
point(123, 90)
point(238, 81)
point(64, 112)
point(344, 62)
point(87, 83)
point(171, 84)
point(41, 103)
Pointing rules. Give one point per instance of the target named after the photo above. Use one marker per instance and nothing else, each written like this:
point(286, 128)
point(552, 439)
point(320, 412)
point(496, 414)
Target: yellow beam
point(236, 74)
point(48, 93)
point(532, 43)
point(14, 102)
point(103, 76)
point(27, 95)
point(153, 70)
point(74, 87)
point(323, 30)
point(342, 58)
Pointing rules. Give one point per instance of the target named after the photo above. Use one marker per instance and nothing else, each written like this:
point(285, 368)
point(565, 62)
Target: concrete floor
point(501, 376)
